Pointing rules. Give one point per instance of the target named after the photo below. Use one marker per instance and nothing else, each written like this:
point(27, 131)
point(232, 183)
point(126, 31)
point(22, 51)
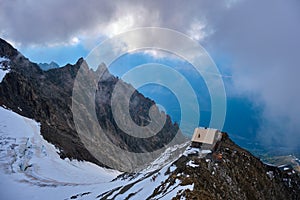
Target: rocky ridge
point(46, 96)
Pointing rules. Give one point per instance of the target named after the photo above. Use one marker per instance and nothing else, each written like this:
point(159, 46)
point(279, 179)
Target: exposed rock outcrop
point(238, 175)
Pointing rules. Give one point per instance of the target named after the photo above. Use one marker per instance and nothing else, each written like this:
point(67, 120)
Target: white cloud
point(74, 41)
point(118, 26)
point(197, 31)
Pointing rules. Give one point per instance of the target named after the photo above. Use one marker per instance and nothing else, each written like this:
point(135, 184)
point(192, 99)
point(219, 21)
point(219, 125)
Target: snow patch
point(3, 59)
point(192, 164)
point(206, 151)
point(164, 158)
point(172, 168)
point(174, 190)
point(3, 69)
point(191, 151)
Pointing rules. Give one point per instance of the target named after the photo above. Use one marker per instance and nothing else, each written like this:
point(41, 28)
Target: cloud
point(261, 38)
point(29, 22)
point(59, 21)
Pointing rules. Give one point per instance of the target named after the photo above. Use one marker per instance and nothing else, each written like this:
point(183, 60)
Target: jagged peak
point(79, 61)
point(7, 50)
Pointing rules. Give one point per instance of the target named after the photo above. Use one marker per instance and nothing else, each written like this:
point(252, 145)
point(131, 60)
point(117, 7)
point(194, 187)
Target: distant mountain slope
point(47, 66)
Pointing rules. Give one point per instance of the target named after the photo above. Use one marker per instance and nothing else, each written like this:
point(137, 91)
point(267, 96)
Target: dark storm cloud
point(39, 22)
point(50, 21)
point(261, 38)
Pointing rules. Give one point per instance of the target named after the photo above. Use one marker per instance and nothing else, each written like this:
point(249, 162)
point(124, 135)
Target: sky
point(256, 43)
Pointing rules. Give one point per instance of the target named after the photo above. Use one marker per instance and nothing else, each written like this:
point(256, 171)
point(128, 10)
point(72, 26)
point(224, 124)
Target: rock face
point(235, 175)
point(46, 96)
point(238, 175)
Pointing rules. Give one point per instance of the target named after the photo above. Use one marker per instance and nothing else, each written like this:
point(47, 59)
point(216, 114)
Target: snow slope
point(30, 168)
point(30, 165)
